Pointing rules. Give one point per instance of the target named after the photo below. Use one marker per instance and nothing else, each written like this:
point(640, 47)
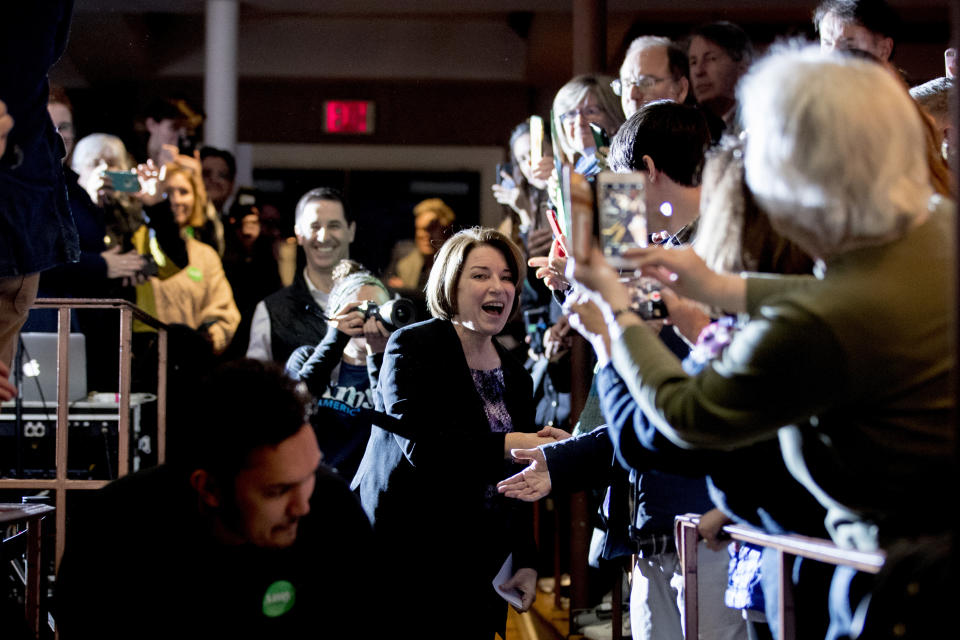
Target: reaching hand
point(551, 270)
point(539, 242)
point(170, 154)
point(710, 529)
point(531, 484)
point(6, 125)
point(556, 339)
point(597, 276)
point(680, 269)
point(507, 193)
point(542, 172)
point(687, 316)
point(587, 319)
point(134, 280)
point(122, 265)
point(152, 183)
point(7, 390)
point(524, 581)
point(375, 335)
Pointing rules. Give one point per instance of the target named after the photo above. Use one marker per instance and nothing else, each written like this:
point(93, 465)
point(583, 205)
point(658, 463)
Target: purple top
point(489, 385)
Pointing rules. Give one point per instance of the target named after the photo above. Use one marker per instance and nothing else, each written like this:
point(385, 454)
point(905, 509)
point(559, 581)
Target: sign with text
point(348, 116)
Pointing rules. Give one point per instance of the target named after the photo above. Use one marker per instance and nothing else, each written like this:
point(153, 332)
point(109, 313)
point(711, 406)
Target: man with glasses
point(654, 68)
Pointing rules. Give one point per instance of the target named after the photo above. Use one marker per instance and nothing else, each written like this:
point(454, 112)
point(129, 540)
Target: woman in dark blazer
point(458, 403)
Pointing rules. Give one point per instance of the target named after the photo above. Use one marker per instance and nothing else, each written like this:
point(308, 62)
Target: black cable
point(18, 407)
point(105, 432)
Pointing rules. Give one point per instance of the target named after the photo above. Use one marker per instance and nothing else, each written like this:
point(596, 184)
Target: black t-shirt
point(140, 562)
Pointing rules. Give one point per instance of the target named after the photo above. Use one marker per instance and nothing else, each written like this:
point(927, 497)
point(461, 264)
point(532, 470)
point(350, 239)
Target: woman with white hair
point(849, 369)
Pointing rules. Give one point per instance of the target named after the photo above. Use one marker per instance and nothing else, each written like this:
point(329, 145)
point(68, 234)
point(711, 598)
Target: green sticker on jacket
point(279, 598)
point(194, 274)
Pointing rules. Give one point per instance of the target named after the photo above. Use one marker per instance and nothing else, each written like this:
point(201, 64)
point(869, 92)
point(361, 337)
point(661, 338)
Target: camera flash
point(666, 209)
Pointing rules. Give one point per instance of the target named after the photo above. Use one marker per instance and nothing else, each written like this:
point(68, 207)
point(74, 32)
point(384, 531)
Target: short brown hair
point(449, 262)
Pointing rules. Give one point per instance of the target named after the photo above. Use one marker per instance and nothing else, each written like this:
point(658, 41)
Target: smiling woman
point(198, 295)
point(455, 393)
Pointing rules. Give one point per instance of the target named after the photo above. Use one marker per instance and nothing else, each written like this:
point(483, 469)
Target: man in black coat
point(36, 228)
point(247, 535)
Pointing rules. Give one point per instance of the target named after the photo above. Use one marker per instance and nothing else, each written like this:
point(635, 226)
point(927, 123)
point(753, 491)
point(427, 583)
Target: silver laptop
point(40, 367)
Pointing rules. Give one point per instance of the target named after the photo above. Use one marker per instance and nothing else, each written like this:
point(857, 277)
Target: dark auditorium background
point(448, 79)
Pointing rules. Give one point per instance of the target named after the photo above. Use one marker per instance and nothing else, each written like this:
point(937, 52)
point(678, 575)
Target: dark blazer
point(428, 485)
point(36, 228)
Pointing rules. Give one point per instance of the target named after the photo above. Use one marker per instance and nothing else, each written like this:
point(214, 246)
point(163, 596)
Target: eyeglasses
point(643, 82)
point(589, 111)
point(64, 128)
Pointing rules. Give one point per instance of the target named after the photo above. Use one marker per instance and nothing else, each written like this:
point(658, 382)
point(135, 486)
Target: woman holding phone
point(585, 100)
point(198, 295)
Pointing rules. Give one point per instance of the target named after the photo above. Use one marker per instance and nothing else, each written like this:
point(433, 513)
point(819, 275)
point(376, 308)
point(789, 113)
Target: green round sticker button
point(279, 598)
point(194, 274)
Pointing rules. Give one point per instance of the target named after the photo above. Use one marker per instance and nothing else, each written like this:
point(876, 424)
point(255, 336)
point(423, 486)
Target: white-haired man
point(654, 68)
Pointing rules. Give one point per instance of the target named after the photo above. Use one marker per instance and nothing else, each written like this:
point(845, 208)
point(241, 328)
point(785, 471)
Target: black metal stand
point(18, 406)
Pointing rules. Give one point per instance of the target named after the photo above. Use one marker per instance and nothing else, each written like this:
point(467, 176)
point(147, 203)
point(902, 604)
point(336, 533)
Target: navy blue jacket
point(36, 228)
point(344, 413)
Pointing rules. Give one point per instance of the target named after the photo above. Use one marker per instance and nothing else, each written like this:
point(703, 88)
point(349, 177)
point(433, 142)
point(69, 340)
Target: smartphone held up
point(124, 181)
point(614, 215)
point(622, 212)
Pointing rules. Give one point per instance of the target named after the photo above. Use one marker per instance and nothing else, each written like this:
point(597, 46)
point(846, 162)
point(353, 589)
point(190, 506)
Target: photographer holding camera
point(342, 370)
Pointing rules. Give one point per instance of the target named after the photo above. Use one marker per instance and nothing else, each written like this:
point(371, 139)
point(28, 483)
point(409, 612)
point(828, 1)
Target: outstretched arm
point(531, 484)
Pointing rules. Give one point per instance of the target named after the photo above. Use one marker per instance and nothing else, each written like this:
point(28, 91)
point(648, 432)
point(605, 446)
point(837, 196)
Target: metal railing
point(788, 547)
point(61, 483)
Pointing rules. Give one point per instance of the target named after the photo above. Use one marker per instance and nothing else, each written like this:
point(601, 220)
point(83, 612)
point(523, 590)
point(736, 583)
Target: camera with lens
point(394, 314)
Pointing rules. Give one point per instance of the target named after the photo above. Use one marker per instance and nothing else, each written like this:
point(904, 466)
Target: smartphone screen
point(504, 173)
point(536, 141)
point(124, 181)
point(622, 213)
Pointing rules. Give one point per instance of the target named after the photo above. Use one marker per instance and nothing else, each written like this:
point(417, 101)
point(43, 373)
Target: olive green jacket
point(858, 362)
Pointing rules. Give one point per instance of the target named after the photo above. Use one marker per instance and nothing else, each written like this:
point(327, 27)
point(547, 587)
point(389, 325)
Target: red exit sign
point(348, 116)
